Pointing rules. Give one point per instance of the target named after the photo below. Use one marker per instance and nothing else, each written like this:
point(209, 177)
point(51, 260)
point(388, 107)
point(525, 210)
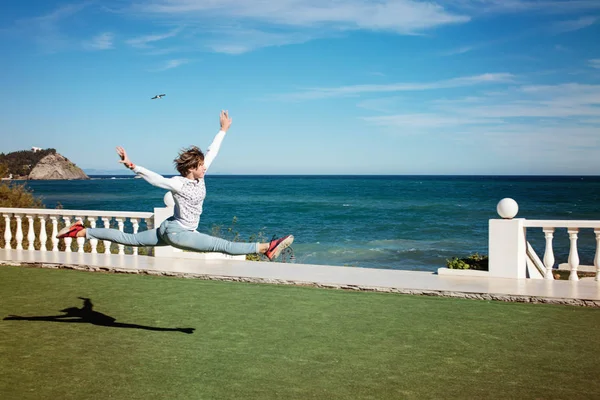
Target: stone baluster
point(573, 254)
point(7, 232)
point(106, 221)
point(121, 223)
point(55, 241)
point(19, 233)
point(136, 226)
point(597, 257)
point(43, 234)
point(67, 240)
point(30, 233)
point(80, 240)
point(549, 253)
point(93, 242)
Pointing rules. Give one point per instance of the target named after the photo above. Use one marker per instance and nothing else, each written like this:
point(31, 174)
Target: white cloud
point(459, 50)
point(170, 64)
point(144, 41)
point(320, 93)
point(595, 63)
point(103, 41)
point(238, 41)
point(515, 6)
point(544, 119)
point(45, 29)
point(573, 25)
point(232, 26)
point(402, 16)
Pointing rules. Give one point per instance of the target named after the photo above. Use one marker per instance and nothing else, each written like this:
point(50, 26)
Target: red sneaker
point(277, 245)
point(70, 231)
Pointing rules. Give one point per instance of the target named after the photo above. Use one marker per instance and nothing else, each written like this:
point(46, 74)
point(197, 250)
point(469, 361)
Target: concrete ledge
point(366, 288)
point(463, 272)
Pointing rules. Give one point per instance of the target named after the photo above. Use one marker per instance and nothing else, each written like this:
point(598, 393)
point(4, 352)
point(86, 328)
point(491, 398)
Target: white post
point(507, 243)
point(19, 233)
point(43, 235)
point(54, 220)
point(30, 234)
point(7, 232)
point(549, 253)
point(573, 255)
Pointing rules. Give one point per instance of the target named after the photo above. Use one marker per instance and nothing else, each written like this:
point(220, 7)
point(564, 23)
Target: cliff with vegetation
point(44, 164)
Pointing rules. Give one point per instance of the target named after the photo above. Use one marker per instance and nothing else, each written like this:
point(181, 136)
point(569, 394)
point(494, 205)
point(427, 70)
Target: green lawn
point(255, 341)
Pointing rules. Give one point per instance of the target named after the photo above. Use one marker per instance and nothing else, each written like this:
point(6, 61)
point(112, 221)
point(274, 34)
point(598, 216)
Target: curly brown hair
point(188, 159)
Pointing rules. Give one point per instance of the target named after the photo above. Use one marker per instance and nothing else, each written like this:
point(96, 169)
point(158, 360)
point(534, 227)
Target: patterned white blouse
point(188, 194)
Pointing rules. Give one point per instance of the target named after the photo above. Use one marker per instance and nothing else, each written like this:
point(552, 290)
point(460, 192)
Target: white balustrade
point(54, 220)
point(43, 235)
point(19, 233)
point(68, 216)
point(507, 239)
point(30, 233)
point(573, 255)
point(7, 232)
point(549, 253)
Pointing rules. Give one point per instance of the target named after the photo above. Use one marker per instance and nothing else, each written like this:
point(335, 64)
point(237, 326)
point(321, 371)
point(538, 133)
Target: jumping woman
point(189, 192)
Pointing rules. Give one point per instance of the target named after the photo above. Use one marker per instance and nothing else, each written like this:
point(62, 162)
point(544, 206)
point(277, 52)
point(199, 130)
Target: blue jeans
point(170, 233)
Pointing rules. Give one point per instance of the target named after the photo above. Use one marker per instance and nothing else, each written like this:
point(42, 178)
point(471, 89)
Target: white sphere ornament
point(168, 199)
point(507, 208)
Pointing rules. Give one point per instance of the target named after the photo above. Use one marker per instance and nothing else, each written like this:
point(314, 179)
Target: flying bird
point(158, 96)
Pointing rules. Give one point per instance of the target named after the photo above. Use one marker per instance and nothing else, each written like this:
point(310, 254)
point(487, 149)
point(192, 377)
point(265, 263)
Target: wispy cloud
point(572, 25)
point(595, 63)
point(103, 41)
point(568, 107)
point(516, 6)
point(254, 24)
point(458, 50)
point(344, 91)
point(170, 64)
point(145, 41)
point(45, 29)
point(403, 16)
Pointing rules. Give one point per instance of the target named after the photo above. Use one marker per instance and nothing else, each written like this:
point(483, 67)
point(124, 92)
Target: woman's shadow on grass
point(86, 314)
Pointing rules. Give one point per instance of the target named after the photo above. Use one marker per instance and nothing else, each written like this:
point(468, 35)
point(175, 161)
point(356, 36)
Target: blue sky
point(314, 87)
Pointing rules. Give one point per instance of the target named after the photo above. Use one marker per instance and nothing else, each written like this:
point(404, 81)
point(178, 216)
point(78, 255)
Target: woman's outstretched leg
point(143, 238)
point(196, 241)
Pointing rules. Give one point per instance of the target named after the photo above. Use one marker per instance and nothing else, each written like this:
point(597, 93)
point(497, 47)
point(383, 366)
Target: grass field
point(252, 341)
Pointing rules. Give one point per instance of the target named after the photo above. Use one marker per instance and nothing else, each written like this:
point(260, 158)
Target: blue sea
point(392, 222)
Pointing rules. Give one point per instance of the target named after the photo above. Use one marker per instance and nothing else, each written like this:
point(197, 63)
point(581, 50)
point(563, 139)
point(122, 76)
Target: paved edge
point(358, 288)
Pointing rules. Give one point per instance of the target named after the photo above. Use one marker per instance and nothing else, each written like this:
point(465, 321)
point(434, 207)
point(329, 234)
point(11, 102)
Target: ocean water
point(395, 222)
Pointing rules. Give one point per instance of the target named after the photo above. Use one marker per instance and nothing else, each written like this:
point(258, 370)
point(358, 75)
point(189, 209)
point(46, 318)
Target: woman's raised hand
point(225, 120)
point(124, 159)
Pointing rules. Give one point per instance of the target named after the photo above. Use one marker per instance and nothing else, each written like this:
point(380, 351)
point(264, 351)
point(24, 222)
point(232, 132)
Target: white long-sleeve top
point(188, 194)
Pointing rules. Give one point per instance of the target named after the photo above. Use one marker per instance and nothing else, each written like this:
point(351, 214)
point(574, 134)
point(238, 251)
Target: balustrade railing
point(548, 227)
point(508, 246)
point(36, 229)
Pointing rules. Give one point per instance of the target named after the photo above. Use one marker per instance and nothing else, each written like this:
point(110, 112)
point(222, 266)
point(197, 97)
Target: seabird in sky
point(158, 96)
